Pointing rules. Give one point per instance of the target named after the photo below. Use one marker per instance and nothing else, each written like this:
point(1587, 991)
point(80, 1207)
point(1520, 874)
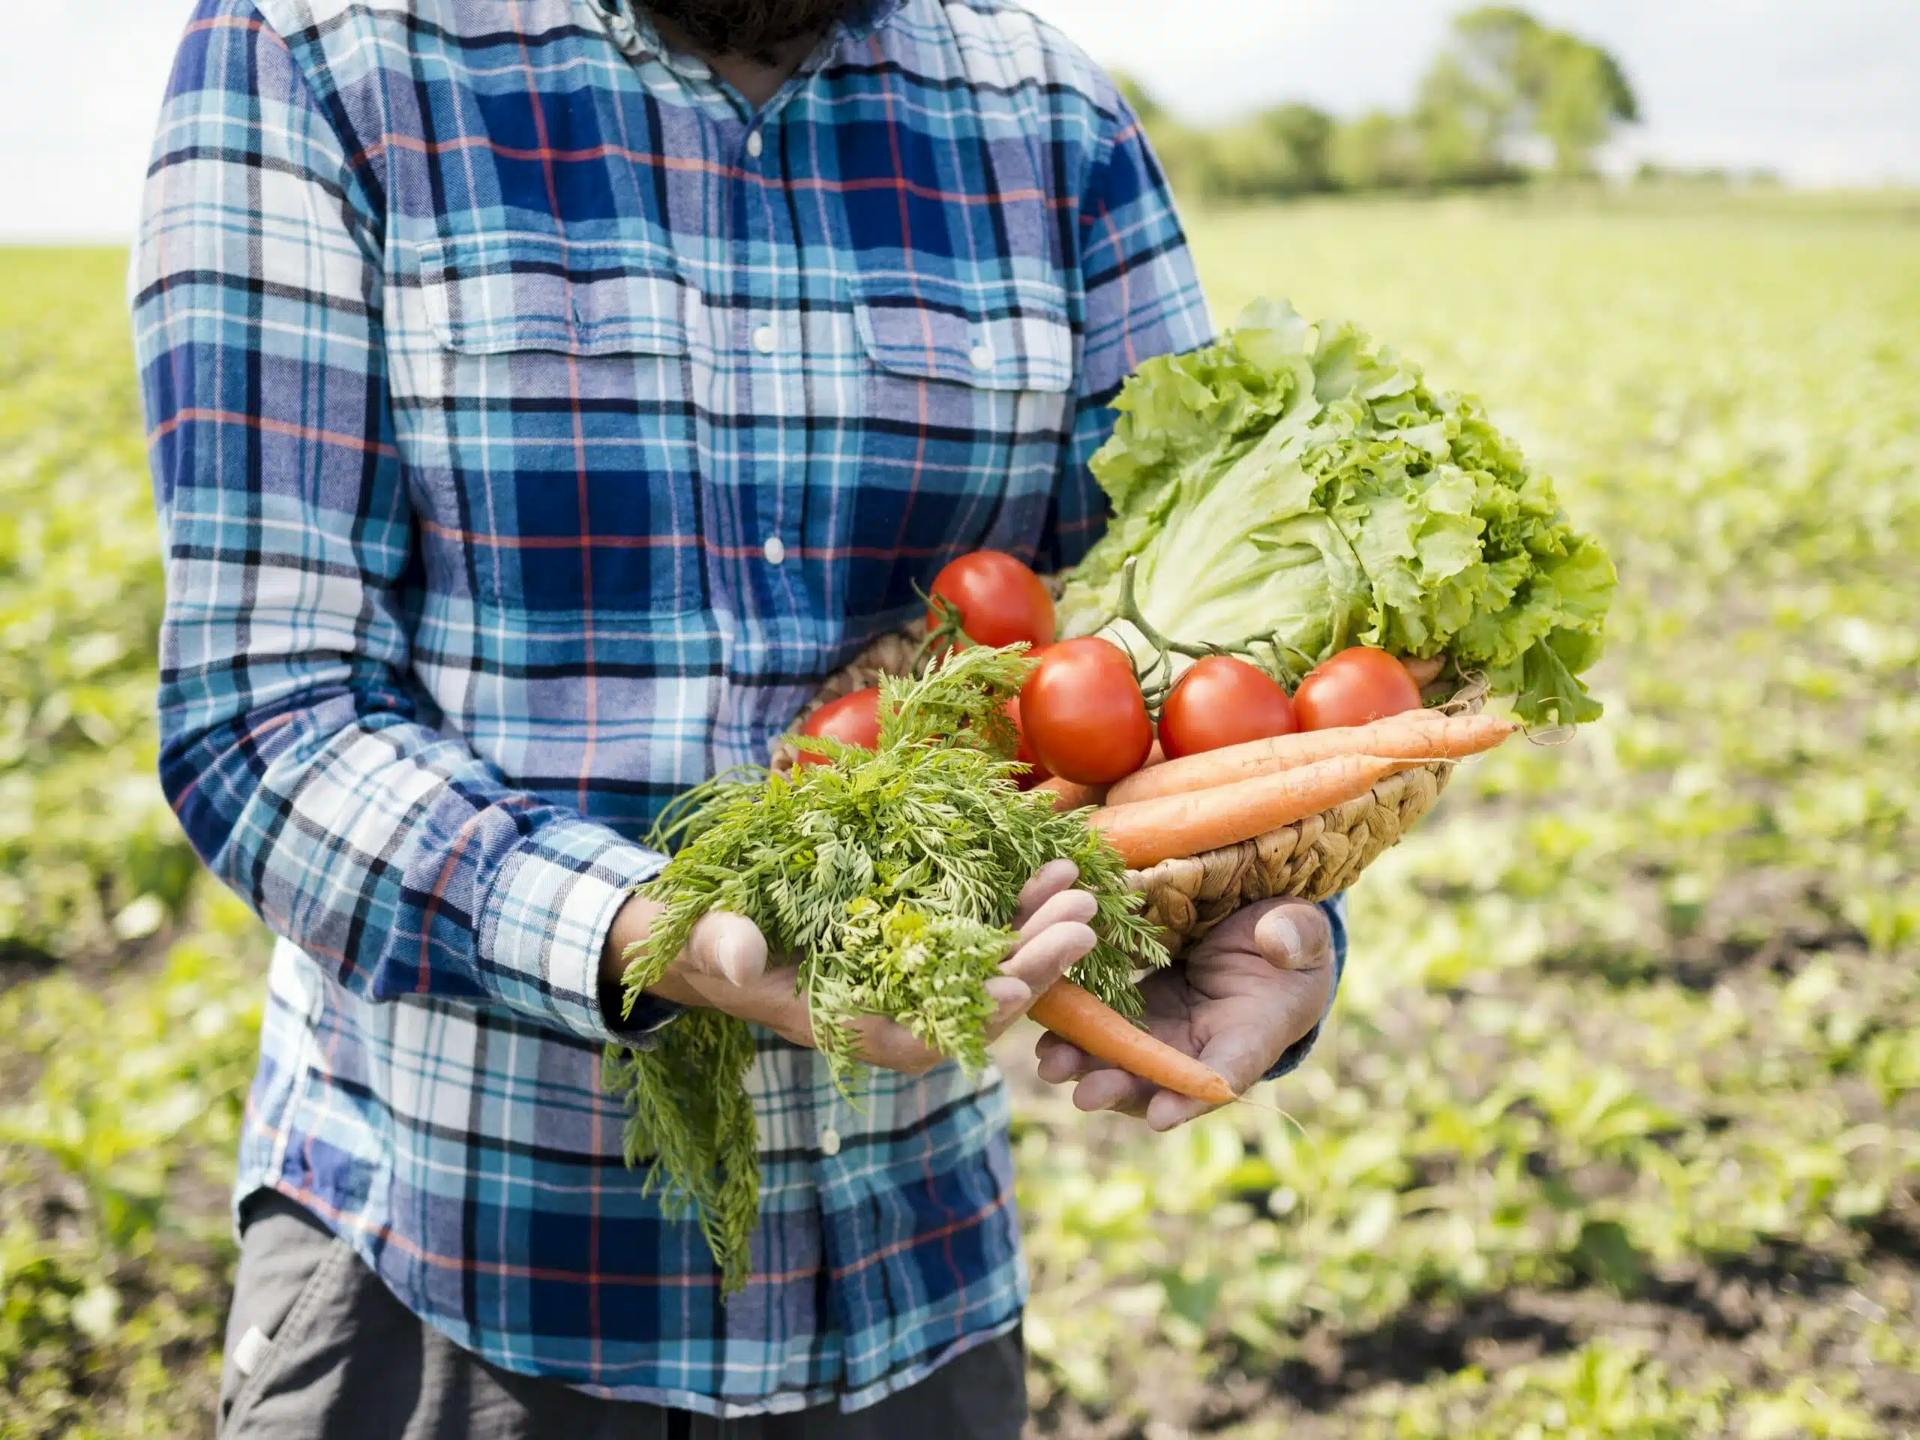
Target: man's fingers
point(1289, 934)
point(1060, 1060)
point(1296, 936)
point(1049, 880)
point(1112, 1089)
point(1167, 1110)
point(1010, 997)
point(729, 946)
point(1050, 954)
point(1038, 964)
point(891, 1046)
point(1058, 908)
point(1241, 1054)
point(1108, 1088)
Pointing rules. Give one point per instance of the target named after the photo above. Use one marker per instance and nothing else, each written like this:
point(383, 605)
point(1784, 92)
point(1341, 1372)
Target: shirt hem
point(776, 1402)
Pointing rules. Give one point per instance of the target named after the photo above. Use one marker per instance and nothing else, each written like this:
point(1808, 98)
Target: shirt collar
point(632, 29)
point(868, 17)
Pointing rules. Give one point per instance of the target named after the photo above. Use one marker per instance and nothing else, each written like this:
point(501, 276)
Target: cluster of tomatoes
point(1082, 715)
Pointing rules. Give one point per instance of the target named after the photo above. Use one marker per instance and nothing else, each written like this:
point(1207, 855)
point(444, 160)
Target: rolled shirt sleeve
point(305, 764)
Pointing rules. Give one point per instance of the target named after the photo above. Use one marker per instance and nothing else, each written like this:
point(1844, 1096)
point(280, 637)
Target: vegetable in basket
point(1355, 687)
point(1293, 489)
point(1222, 700)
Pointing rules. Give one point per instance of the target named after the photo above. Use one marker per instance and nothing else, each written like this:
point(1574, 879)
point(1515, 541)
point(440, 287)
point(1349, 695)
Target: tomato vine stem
point(944, 633)
point(1156, 678)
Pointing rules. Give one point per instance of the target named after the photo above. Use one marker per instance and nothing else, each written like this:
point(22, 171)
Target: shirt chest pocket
point(559, 471)
point(967, 401)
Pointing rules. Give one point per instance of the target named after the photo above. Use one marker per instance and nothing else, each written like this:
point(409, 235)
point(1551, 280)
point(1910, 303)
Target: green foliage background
point(1504, 98)
point(1614, 1133)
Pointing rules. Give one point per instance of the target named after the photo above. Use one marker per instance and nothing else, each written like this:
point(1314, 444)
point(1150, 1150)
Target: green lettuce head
point(1291, 490)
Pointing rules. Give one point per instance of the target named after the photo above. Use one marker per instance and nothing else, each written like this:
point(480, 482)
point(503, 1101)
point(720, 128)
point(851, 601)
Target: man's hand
point(1253, 986)
point(726, 967)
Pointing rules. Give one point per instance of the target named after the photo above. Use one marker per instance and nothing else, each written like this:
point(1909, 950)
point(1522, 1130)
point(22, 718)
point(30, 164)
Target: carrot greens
point(890, 878)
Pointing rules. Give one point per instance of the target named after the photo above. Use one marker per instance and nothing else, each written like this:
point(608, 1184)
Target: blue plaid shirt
point(534, 424)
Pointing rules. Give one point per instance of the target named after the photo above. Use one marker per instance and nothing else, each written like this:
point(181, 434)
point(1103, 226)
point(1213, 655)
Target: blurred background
point(1616, 1132)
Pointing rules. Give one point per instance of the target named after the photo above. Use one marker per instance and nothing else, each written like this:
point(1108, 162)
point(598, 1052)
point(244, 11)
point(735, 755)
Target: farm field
point(1616, 1130)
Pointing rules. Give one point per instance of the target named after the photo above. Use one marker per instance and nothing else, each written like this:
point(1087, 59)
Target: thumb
point(1295, 935)
point(729, 946)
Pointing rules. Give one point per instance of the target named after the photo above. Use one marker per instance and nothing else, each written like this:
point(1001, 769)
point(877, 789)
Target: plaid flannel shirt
point(533, 425)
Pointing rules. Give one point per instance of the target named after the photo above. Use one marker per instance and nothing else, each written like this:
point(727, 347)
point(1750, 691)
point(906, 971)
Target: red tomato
point(852, 719)
point(1083, 713)
point(1035, 772)
point(1351, 688)
point(999, 599)
point(1222, 701)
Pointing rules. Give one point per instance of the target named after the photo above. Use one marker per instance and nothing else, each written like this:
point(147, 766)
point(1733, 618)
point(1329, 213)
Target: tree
point(1505, 89)
point(1505, 79)
point(1584, 94)
point(1461, 123)
point(1375, 151)
point(1279, 152)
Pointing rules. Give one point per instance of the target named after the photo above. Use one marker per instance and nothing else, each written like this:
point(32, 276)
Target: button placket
point(773, 337)
point(823, 1108)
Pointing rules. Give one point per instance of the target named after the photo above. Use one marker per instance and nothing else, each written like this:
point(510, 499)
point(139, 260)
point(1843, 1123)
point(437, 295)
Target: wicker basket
point(1313, 858)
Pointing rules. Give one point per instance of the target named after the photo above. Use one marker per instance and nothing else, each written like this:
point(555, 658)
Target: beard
point(755, 29)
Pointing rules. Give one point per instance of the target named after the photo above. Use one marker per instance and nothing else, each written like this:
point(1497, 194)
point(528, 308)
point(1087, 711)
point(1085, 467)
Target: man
point(543, 397)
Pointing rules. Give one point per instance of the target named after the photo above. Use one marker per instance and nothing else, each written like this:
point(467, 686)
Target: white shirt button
point(251, 1350)
point(764, 339)
point(829, 1141)
point(980, 357)
point(775, 549)
point(755, 144)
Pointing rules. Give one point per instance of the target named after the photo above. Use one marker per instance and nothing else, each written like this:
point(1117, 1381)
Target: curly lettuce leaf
point(1292, 489)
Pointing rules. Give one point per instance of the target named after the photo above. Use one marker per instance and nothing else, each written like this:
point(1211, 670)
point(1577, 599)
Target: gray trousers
point(319, 1349)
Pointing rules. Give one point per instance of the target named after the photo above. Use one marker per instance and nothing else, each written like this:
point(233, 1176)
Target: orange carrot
point(1070, 795)
point(1082, 1019)
point(1146, 832)
point(1413, 735)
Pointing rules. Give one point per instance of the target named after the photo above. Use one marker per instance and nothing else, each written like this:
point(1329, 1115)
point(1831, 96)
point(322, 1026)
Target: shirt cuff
point(545, 924)
point(1336, 913)
point(641, 1029)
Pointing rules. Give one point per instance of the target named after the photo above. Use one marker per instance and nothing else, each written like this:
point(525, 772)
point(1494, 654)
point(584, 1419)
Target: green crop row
point(1616, 1130)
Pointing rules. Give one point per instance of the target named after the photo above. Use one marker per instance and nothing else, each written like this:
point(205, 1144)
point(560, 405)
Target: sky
point(1825, 92)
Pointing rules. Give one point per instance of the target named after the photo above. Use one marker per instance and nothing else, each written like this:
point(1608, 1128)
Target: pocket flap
point(488, 294)
point(1000, 335)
